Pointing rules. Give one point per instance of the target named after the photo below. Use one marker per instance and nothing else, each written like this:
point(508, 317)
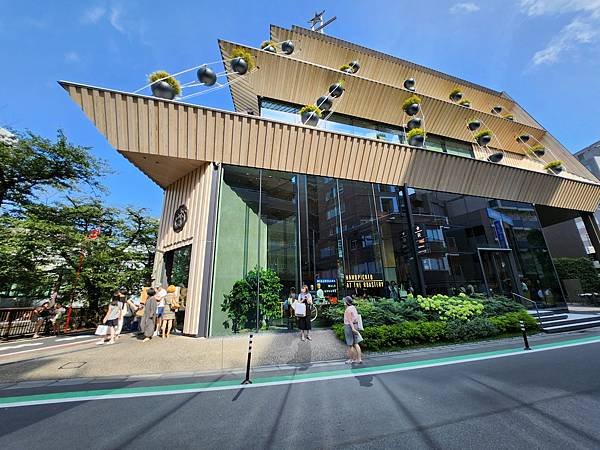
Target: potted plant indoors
point(268, 46)
point(455, 95)
point(555, 167)
point(413, 123)
point(346, 68)
point(337, 89)
point(466, 103)
point(409, 84)
point(354, 65)
point(537, 149)
point(324, 103)
point(206, 75)
point(241, 60)
point(411, 105)
point(163, 85)
point(473, 124)
point(310, 115)
point(416, 137)
point(508, 117)
point(287, 47)
point(484, 137)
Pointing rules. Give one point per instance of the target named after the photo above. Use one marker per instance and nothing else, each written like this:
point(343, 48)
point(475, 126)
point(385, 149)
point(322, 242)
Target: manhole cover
point(72, 365)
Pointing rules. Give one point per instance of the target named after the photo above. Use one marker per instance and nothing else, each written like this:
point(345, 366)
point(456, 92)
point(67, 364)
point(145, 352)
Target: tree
point(33, 162)
point(41, 246)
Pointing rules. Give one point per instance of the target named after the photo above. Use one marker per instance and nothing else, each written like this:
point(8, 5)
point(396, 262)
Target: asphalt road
point(548, 399)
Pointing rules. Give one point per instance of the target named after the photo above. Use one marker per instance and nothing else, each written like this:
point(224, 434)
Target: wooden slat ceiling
point(285, 78)
point(167, 139)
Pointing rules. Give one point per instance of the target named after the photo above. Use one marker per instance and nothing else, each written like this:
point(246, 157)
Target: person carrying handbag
point(302, 310)
point(352, 324)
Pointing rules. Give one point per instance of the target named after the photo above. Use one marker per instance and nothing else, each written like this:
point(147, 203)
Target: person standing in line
point(304, 323)
point(161, 293)
point(288, 307)
point(128, 309)
point(57, 318)
point(147, 324)
point(351, 333)
point(168, 315)
point(111, 320)
point(43, 315)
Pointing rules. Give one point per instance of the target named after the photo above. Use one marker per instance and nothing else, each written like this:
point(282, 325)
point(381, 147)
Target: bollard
point(247, 380)
point(525, 340)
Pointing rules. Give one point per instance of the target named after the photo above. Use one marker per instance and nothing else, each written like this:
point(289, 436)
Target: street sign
point(421, 240)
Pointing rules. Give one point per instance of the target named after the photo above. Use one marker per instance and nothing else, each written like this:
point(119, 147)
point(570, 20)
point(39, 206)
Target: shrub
point(453, 92)
point(345, 67)
point(553, 164)
point(497, 306)
point(410, 100)
point(313, 108)
point(240, 52)
point(478, 328)
point(483, 133)
point(376, 312)
point(165, 76)
point(415, 132)
point(509, 322)
point(534, 148)
point(581, 269)
point(265, 44)
point(444, 307)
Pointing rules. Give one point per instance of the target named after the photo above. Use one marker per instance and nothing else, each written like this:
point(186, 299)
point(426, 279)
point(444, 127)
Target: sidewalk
point(181, 357)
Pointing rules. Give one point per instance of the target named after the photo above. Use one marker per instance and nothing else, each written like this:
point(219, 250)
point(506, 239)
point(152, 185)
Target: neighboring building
point(346, 203)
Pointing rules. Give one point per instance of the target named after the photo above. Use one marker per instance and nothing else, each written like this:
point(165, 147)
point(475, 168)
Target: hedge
point(581, 269)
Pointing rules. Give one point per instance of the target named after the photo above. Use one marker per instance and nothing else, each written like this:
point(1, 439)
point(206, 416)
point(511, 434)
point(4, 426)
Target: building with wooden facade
point(347, 203)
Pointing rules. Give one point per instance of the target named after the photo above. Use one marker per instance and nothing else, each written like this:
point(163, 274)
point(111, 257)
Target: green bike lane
point(265, 377)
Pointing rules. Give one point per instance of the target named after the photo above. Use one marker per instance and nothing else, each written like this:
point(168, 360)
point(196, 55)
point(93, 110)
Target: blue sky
point(544, 53)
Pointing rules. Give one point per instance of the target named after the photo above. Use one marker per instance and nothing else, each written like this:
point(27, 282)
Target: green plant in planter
point(536, 149)
point(554, 165)
point(268, 46)
point(483, 133)
point(415, 132)
point(311, 108)
point(346, 68)
point(465, 102)
point(165, 76)
point(509, 117)
point(240, 52)
point(240, 302)
point(455, 95)
point(412, 100)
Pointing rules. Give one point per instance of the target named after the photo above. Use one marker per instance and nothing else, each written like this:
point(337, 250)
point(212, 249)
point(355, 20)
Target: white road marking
point(10, 347)
point(72, 338)
point(47, 348)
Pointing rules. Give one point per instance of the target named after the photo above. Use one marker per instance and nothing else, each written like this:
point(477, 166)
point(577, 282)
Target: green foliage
point(34, 163)
point(483, 133)
point(453, 92)
point(534, 148)
point(165, 76)
point(411, 100)
point(311, 108)
point(265, 44)
point(444, 307)
point(345, 67)
point(465, 102)
point(415, 132)
point(508, 116)
point(375, 312)
point(581, 269)
point(553, 164)
point(499, 305)
point(509, 322)
point(240, 302)
point(477, 328)
point(240, 52)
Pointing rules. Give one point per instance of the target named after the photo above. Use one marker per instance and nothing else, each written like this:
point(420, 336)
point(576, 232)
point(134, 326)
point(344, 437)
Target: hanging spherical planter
point(413, 123)
point(324, 103)
point(455, 95)
point(310, 115)
point(409, 84)
point(538, 150)
point(163, 85)
point(287, 47)
point(416, 137)
point(554, 167)
point(474, 124)
point(523, 138)
point(355, 66)
point(346, 68)
point(206, 76)
point(484, 137)
point(496, 157)
point(242, 60)
point(336, 89)
point(497, 109)
point(466, 103)
point(509, 117)
point(411, 105)
point(268, 46)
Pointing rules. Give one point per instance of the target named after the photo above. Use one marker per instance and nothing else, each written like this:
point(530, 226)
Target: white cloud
point(464, 8)
point(584, 28)
point(94, 14)
point(71, 57)
point(115, 19)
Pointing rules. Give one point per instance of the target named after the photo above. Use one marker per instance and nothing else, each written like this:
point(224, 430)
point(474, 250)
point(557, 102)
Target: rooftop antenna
point(318, 19)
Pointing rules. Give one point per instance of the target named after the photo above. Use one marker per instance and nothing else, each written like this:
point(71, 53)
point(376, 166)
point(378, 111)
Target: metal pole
point(247, 379)
point(525, 340)
point(258, 251)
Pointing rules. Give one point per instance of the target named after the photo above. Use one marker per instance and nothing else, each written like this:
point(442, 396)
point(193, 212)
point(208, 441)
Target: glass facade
point(177, 265)
point(285, 112)
point(350, 237)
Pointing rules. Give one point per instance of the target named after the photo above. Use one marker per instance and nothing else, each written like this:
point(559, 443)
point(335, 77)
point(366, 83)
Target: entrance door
point(496, 266)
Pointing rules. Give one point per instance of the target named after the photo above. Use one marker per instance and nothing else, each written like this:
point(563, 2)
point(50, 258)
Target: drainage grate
point(72, 365)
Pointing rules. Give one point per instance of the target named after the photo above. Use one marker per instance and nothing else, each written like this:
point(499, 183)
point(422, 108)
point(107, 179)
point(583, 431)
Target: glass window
point(177, 265)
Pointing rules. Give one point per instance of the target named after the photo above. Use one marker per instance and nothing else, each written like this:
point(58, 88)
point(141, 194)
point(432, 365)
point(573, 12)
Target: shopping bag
point(300, 309)
point(101, 330)
point(359, 323)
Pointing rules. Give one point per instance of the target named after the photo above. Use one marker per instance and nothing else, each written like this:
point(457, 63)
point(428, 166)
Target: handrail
point(534, 304)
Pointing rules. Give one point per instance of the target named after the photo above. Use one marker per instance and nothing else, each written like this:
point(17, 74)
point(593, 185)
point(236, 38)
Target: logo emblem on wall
point(180, 218)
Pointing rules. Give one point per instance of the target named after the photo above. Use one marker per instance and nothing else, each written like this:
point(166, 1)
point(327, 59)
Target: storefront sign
point(362, 281)
point(329, 288)
point(500, 234)
point(180, 218)
point(421, 240)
